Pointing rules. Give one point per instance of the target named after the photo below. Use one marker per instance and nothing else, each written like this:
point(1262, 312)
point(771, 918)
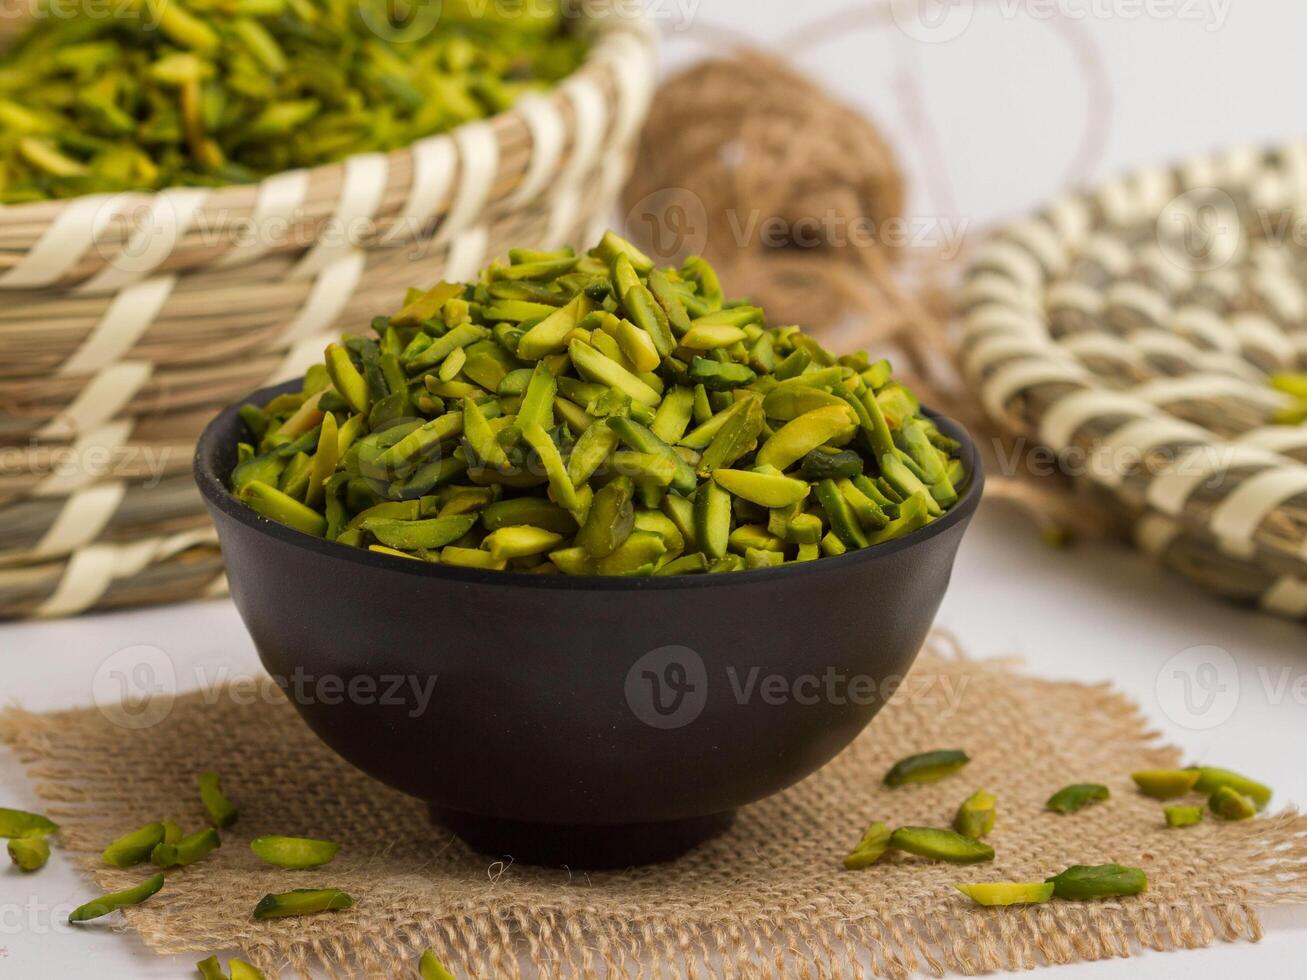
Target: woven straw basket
point(128, 320)
point(1132, 331)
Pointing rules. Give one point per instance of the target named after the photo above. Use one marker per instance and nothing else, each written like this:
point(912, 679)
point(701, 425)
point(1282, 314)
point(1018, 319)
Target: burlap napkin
point(768, 899)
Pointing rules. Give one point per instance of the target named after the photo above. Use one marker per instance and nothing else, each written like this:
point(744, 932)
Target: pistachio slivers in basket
point(594, 415)
point(190, 92)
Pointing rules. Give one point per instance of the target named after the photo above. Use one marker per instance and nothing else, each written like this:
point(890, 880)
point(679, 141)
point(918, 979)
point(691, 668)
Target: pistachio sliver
point(550, 334)
point(1004, 893)
point(1210, 779)
point(941, 845)
point(641, 439)
point(134, 848)
point(926, 767)
point(1073, 799)
point(1229, 804)
point(768, 490)
point(594, 366)
point(1166, 784)
point(431, 968)
point(221, 811)
point(107, 904)
point(282, 508)
point(874, 844)
point(240, 970)
point(347, 379)
point(412, 535)
point(302, 901)
point(975, 817)
point(611, 519)
point(20, 823)
point(560, 486)
point(186, 851)
point(1183, 816)
point(1086, 882)
point(294, 852)
point(720, 375)
point(797, 438)
point(29, 853)
point(520, 542)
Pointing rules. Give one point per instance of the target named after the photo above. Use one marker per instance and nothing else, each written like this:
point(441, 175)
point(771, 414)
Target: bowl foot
point(579, 846)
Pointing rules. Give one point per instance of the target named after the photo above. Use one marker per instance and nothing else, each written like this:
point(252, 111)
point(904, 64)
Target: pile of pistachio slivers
point(146, 94)
point(593, 415)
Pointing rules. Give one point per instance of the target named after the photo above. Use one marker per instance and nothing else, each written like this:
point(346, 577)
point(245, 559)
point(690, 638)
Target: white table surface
point(989, 122)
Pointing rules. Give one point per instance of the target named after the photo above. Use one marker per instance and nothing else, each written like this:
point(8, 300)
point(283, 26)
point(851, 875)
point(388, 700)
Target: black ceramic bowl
point(587, 721)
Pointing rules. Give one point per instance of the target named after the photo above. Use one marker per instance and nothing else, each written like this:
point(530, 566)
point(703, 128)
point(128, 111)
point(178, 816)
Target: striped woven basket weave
point(127, 321)
point(1132, 330)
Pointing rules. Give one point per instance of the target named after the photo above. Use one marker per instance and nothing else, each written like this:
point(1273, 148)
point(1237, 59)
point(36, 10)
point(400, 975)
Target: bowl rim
point(213, 487)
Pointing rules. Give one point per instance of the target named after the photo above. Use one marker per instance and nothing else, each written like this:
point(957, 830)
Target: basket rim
point(1017, 252)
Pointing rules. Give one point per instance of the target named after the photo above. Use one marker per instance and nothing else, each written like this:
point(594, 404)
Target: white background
point(989, 123)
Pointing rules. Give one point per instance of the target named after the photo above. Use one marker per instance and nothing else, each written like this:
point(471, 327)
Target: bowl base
point(582, 846)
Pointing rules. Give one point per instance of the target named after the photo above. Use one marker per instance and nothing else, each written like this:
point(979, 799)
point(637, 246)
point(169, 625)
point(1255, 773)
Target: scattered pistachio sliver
point(211, 969)
point(870, 849)
point(20, 823)
point(432, 969)
point(186, 851)
point(294, 852)
point(302, 901)
point(1166, 784)
point(1292, 383)
point(1085, 882)
point(975, 817)
point(941, 845)
point(114, 901)
point(926, 767)
point(1211, 779)
point(29, 853)
point(1003, 893)
point(546, 417)
point(220, 810)
point(134, 848)
point(1229, 804)
point(1183, 816)
point(1073, 799)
